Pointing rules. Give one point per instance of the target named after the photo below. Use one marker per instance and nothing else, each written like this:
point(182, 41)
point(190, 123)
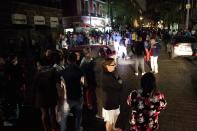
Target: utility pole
point(89, 4)
point(188, 6)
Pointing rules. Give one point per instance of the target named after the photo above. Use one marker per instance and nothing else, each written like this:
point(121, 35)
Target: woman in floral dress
point(146, 104)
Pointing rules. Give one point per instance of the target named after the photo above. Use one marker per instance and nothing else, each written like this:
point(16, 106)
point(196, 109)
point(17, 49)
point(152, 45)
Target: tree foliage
point(168, 10)
point(123, 11)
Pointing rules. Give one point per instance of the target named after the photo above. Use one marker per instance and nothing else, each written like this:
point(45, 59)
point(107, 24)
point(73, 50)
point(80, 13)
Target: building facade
point(22, 22)
point(81, 14)
point(194, 14)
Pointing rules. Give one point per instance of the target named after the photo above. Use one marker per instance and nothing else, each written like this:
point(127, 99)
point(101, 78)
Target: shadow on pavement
point(30, 121)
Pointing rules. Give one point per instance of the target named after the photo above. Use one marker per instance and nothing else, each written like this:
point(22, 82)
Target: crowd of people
point(62, 84)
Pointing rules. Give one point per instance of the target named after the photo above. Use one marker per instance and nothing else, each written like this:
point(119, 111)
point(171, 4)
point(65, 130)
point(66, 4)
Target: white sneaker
point(99, 117)
point(136, 74)
point(156, 72)
point(81, 128)
point(143, 73)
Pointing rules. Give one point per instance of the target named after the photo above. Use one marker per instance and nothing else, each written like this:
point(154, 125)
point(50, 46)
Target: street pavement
point(177, 78)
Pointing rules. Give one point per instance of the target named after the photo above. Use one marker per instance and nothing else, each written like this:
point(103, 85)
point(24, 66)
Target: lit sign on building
point(94, 21)
point(54, 22)
point(19, 19)
point(39, 20)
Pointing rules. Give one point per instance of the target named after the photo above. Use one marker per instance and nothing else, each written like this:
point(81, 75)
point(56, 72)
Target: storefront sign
point(54, 22)
point(19, 19)
point(94, 21)
point(39, 20)
point(188, 6)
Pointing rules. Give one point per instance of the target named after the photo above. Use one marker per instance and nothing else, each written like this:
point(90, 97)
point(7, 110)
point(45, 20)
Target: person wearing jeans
point(139, 52)
point(74, 79)
point(139, 61)
point(77, 106)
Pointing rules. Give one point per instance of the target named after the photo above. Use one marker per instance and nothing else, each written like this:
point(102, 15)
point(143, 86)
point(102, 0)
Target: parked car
point(183, 46)
point(194, 48)
point(97, 50)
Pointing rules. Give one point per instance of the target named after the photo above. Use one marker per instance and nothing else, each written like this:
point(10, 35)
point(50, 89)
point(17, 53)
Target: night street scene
point(98, 65)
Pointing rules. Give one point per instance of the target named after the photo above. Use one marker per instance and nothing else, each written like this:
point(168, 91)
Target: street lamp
point(141, 18)
point(89, 11)
point(188, 6)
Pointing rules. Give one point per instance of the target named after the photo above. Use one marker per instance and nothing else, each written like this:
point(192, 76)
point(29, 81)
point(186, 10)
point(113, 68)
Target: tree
point(123, 11)
point(169, 11)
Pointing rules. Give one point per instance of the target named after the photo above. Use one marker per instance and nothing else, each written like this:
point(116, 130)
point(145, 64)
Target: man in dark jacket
point(73, 78)
point(139, 52)
point(111, 87)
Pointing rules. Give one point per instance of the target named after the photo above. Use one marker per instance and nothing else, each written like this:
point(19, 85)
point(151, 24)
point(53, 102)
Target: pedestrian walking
point(112, 87)
point(169, 49)
point(147, 49)
point(139, 52)
point(154, 54)
point(123, 48)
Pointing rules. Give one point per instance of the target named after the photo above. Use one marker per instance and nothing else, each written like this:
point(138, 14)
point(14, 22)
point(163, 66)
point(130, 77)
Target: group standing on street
point(65, 84)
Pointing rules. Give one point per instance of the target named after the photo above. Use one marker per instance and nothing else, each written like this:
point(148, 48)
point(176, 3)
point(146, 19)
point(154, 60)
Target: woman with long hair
point(146, 104)
point(111, 86)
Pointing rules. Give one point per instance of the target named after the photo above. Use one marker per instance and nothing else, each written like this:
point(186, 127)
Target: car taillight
point(194, 54)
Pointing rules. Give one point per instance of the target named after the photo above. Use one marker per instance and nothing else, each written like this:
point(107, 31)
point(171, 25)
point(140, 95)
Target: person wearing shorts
point(112, 87)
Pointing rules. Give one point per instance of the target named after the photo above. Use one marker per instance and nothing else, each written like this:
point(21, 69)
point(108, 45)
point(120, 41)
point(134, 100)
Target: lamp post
point(89, 4)
point(188, 6)
point(111, 13)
